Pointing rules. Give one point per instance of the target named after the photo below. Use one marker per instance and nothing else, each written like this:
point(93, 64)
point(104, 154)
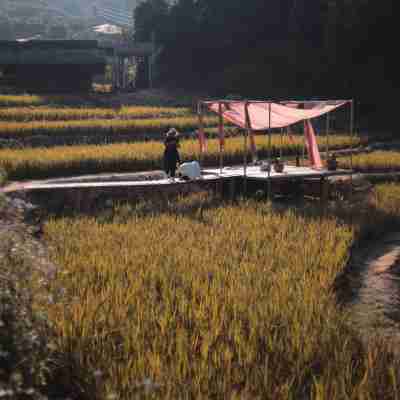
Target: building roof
point(51, 52)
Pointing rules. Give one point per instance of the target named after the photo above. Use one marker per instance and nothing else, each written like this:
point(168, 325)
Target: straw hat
point(172, 132)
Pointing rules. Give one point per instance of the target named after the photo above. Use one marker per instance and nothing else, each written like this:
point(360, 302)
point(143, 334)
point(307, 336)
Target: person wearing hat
point(171, 154)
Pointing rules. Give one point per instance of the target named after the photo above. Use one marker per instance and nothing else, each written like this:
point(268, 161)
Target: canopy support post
point(269, 152)
point(327, 134)
point(221, 135)
point(351, 144)
point(201, 128)
point(247, 132)
point(303, 146)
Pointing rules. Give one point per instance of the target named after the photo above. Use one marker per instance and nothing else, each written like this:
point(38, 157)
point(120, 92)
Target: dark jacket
point(171, 154)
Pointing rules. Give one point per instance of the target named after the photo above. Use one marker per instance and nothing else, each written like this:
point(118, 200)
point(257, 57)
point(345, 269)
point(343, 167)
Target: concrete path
point(158, 178)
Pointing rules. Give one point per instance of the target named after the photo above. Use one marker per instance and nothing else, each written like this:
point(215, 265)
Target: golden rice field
point(27, 114)
point(101, 127)
point(199, 300)
point(378, 161)
point(73, 160)
point(51, 100)
point(20, 100)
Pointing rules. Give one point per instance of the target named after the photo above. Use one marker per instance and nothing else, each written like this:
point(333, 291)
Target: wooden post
point(221, 133)
point(246, 110)
point(201, 128)
point(324, 194)
point(327, 134)
point(150, 72)
point(232, 188)
point(120, 72)
point(115, 72)
point(351, 145)
point(151, 60)
point(303, 156)
point(269, 151)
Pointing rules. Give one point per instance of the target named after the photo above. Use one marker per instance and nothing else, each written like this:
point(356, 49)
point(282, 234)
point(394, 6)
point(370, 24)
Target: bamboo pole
point(246, 109)
point(351, 144)
point(221, 133)
point(303, 156)
point(327, 134)
point(269, 151)
point(201, 128)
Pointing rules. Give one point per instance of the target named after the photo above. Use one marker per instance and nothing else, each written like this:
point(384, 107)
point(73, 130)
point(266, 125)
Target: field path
point(99, 178)
point(375, 275)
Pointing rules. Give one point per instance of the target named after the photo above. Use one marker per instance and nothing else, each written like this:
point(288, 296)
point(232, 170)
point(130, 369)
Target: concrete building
point(51, 65)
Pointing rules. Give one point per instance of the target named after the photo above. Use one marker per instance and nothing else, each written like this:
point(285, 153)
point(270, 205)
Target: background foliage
point(279, 48)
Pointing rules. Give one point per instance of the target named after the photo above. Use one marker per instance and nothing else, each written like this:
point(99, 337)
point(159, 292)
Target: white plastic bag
point(189, 170)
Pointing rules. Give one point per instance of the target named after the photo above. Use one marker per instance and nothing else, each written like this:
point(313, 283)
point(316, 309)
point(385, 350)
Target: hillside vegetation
point(278, 49)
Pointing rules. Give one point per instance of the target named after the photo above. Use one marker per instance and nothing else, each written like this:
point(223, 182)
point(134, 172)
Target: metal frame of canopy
point(248, 130)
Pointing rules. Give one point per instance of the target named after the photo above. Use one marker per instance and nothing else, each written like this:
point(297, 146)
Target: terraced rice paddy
point(195, 298)
point(198, 300)
point(63, 161)
point(17, 100)
point(100, 126)
point(27, 114)
point(379, 161)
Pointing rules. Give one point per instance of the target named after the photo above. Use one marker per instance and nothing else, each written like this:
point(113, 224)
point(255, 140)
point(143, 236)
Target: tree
point(278, 48)
point(150, 16)
point(58, 32)
point(149, 20)
point(6, 29)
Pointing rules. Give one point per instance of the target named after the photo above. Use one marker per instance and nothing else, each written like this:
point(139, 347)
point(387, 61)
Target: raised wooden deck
point(85, 191)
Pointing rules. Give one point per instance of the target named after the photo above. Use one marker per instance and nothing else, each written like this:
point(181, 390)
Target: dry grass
point(209, 302)
point(59, 161)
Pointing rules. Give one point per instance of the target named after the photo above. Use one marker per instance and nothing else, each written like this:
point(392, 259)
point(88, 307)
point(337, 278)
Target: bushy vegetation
point(30, 366)
point(193, 299)
point(75, 160)
point(278, 49)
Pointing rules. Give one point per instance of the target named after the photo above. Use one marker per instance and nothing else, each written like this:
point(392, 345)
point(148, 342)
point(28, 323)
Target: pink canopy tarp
point(281, 115)
point(266, 115)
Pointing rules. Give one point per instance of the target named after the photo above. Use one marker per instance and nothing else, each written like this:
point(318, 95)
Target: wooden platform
point(209, 175)
point(85, 192)
point(254, 173)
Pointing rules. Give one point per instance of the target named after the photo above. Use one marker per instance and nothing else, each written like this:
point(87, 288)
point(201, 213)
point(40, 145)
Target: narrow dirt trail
point(375, 306)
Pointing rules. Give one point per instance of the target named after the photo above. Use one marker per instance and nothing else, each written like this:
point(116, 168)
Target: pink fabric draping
point(312, 146)
point(281, 115)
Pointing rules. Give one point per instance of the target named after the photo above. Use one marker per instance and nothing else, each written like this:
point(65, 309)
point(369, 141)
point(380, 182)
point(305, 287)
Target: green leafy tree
point(150, 19)
point(6, 29)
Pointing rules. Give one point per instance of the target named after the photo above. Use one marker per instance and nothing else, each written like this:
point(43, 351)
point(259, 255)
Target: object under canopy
point(266, 115)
